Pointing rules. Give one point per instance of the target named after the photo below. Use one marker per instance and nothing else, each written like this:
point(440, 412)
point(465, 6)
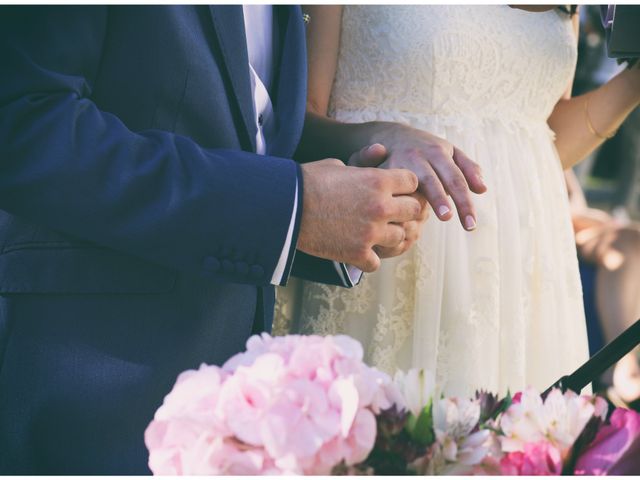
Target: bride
point(499, 307)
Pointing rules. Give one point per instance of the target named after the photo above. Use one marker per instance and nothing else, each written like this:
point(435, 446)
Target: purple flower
point(616, 448)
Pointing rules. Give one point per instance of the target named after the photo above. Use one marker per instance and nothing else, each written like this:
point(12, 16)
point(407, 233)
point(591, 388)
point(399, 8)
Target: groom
point(148, 206)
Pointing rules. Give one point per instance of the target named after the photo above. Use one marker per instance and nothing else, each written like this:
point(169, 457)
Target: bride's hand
point(442, 169)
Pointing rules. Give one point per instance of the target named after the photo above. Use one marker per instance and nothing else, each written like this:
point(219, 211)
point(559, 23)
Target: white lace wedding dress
point(501, 307)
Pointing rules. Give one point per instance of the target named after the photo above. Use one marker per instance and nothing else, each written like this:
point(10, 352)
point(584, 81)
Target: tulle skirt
point(499, 308)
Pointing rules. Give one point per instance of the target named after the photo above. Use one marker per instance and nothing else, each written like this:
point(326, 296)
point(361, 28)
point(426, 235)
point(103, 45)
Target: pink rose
point(539, 458)
point(616, 448)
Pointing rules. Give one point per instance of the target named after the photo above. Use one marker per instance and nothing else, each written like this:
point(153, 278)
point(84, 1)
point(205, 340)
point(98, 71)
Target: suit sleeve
point(67, 165)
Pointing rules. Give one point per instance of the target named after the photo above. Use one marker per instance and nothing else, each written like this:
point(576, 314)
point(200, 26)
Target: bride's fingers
point(456, 186)
point(431, 188)
point(471, 171)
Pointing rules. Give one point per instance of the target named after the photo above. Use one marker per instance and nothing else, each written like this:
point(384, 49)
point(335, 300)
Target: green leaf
point(504, 405)
point(420, 428)
point(410, 426)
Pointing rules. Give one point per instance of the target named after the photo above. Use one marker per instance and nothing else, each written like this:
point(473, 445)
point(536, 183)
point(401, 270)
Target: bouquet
point(310, 405)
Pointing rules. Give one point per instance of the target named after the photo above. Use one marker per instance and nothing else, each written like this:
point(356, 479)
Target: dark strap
point(603, 359)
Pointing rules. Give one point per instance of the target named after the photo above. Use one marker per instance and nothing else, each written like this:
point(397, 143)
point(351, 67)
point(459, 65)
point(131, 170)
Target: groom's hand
point(375, 155)
point(412, 232)
point(442, 169)
point(348, 213)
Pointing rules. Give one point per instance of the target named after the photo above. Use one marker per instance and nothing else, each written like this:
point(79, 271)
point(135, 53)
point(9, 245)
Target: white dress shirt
point(258, 25)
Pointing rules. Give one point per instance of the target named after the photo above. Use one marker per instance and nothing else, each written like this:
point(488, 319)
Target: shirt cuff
point(283, 268)
point(349, 274)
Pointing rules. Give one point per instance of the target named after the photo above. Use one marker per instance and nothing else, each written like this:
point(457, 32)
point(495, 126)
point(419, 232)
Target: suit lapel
point(290, 81)
point(228, 24)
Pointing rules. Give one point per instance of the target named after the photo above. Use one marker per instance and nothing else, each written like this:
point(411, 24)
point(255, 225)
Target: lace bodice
point(474, 62)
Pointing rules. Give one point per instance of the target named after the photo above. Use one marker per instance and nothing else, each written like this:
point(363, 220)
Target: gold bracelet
point(590, 125)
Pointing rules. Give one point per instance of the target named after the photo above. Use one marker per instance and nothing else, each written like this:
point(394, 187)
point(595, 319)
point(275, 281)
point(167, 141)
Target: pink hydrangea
point(292, 405)
point(183, 427)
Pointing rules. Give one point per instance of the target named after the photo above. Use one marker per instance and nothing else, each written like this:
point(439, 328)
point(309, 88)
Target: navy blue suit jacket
point(138, 231)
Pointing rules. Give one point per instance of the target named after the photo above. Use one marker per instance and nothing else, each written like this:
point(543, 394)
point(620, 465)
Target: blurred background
point(604, 192)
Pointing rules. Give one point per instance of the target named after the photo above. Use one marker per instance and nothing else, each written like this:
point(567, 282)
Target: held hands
point(442, 169)
point(358, 215)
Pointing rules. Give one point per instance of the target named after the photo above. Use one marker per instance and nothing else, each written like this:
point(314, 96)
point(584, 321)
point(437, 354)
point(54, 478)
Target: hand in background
point(442, 169)
point(599, 239)
point(356, 215)
point(589, 218)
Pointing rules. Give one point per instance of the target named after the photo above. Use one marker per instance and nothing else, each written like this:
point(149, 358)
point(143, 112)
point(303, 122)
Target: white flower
point(566, 416)
point(417, 388)
point(473, 448)
point(559, 419)
point(455, 417)
point(523, 422)
point(457, 448)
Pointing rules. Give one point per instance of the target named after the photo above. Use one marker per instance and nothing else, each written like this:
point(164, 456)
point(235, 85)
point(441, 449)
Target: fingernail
point(443, 210)
point(469, 222)
point(373, 147)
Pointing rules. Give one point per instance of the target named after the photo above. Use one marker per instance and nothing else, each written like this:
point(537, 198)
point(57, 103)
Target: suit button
point(228, 267)
point(256, 271)
point(211, 264)
point(242, 268)
point(260, 120)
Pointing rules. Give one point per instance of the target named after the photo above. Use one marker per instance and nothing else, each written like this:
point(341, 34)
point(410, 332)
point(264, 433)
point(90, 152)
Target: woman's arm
point(323, 43)
point(323, 137)
point(582, 123)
